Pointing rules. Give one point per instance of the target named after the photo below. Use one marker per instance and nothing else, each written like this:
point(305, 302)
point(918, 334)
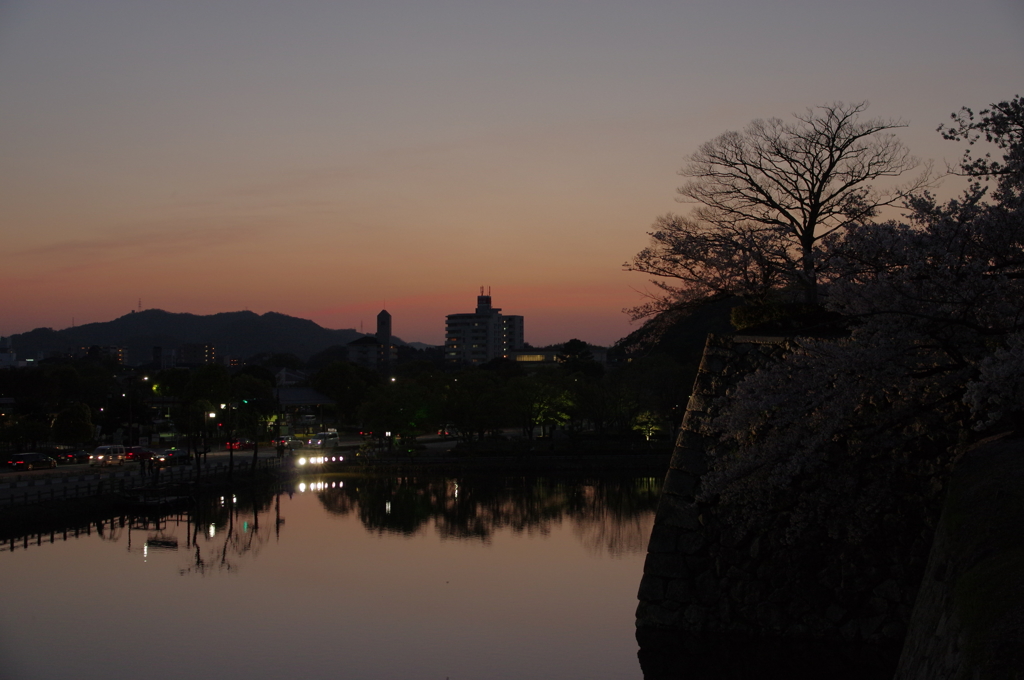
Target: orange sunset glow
point(324, 160)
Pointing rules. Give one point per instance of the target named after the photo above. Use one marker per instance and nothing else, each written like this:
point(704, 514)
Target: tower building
point(376, 352)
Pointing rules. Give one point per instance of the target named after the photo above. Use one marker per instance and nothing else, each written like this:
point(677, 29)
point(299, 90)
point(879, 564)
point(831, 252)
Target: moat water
point(340, 577)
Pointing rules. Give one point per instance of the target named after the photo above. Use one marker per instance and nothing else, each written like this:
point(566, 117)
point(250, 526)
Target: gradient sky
point(323, 159)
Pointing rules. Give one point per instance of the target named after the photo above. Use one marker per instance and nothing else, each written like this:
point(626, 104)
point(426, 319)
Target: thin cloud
point(116, 242)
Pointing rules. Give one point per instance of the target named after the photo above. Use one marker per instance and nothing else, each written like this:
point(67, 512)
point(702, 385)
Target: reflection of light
point(387, 507)
point(302, 487)
point(213, 531)
point(145, 551)
point(234, 499)
point(245, 527)
point(456, 490)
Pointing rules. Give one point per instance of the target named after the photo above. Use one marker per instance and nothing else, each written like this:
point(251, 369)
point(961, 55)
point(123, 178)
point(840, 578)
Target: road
point(72, 479)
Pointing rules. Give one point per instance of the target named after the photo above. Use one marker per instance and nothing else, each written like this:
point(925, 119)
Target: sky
point(328, 159)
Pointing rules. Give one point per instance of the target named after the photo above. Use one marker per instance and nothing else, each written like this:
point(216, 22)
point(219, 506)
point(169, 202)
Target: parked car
point(448, 431)
point(70, 457)
point(31, 461)
point(111, 454)
point(238, 444)
point(287, 441)
point(324, 440)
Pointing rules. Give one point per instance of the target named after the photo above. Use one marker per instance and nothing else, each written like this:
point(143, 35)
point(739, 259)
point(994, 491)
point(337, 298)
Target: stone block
point(894, 630)
point(713, 363)
point(669, 516)
point(690, 542)
point(732, 537)
point(652, 588)
point(663, 539)
point(769, 618)
point(707, 588)
point(724, 612)
point(691, 460)
point(673, 505)
point(651, 615)
point(888, 590)
point(680, 590)
point(797, 630)
point(680, 483)
point(817, 626)
point(697, 563)
point(729, 556)
point(877, 605)
point(665, 566)
point(695, 615)
point(871, 627)
point(699, 402)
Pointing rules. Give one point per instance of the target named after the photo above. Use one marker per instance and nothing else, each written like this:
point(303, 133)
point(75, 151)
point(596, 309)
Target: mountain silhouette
point(233, 334)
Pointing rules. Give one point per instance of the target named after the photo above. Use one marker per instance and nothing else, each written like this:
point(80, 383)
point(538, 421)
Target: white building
point(473, 339)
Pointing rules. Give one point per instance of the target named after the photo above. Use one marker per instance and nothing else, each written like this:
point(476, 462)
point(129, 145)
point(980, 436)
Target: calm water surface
point(341, 577)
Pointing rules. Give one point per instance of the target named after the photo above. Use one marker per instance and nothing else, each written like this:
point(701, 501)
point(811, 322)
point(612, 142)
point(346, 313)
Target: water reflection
point(218, 532)
point(608, 515)
point(227, 529)
point(469, 578)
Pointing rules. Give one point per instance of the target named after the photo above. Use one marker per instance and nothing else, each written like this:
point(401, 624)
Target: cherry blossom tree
point(936, 350)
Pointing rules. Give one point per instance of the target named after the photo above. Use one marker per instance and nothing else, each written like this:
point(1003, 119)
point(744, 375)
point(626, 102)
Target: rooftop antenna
point(488, 290)
point(481, 290)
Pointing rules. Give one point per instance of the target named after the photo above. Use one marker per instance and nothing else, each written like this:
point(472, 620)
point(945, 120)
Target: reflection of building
point(375, 352)
point(484, 335)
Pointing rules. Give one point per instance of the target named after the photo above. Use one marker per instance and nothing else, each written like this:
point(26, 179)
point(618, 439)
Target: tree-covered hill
point(236, 334)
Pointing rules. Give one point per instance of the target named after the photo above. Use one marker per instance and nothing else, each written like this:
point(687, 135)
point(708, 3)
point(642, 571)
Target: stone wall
point(968, 621)
point(704, 577)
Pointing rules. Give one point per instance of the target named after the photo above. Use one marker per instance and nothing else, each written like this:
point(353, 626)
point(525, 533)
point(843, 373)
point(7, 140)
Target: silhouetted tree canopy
point(764, 198)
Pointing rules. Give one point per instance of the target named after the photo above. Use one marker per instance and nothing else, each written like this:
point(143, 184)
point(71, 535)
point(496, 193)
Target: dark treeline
point(88, 400)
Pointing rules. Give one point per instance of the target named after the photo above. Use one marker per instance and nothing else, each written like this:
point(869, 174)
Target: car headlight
point(302, 461)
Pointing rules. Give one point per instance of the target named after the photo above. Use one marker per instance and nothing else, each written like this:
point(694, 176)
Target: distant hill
point(234, 334)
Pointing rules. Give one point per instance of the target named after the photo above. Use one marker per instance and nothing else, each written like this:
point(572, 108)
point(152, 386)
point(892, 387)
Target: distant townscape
point(153, 378)
point(156, 339)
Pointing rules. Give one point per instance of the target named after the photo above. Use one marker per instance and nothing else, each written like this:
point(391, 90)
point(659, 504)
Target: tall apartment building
point(117, 354)
point(472, 339)
point(195, 354)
